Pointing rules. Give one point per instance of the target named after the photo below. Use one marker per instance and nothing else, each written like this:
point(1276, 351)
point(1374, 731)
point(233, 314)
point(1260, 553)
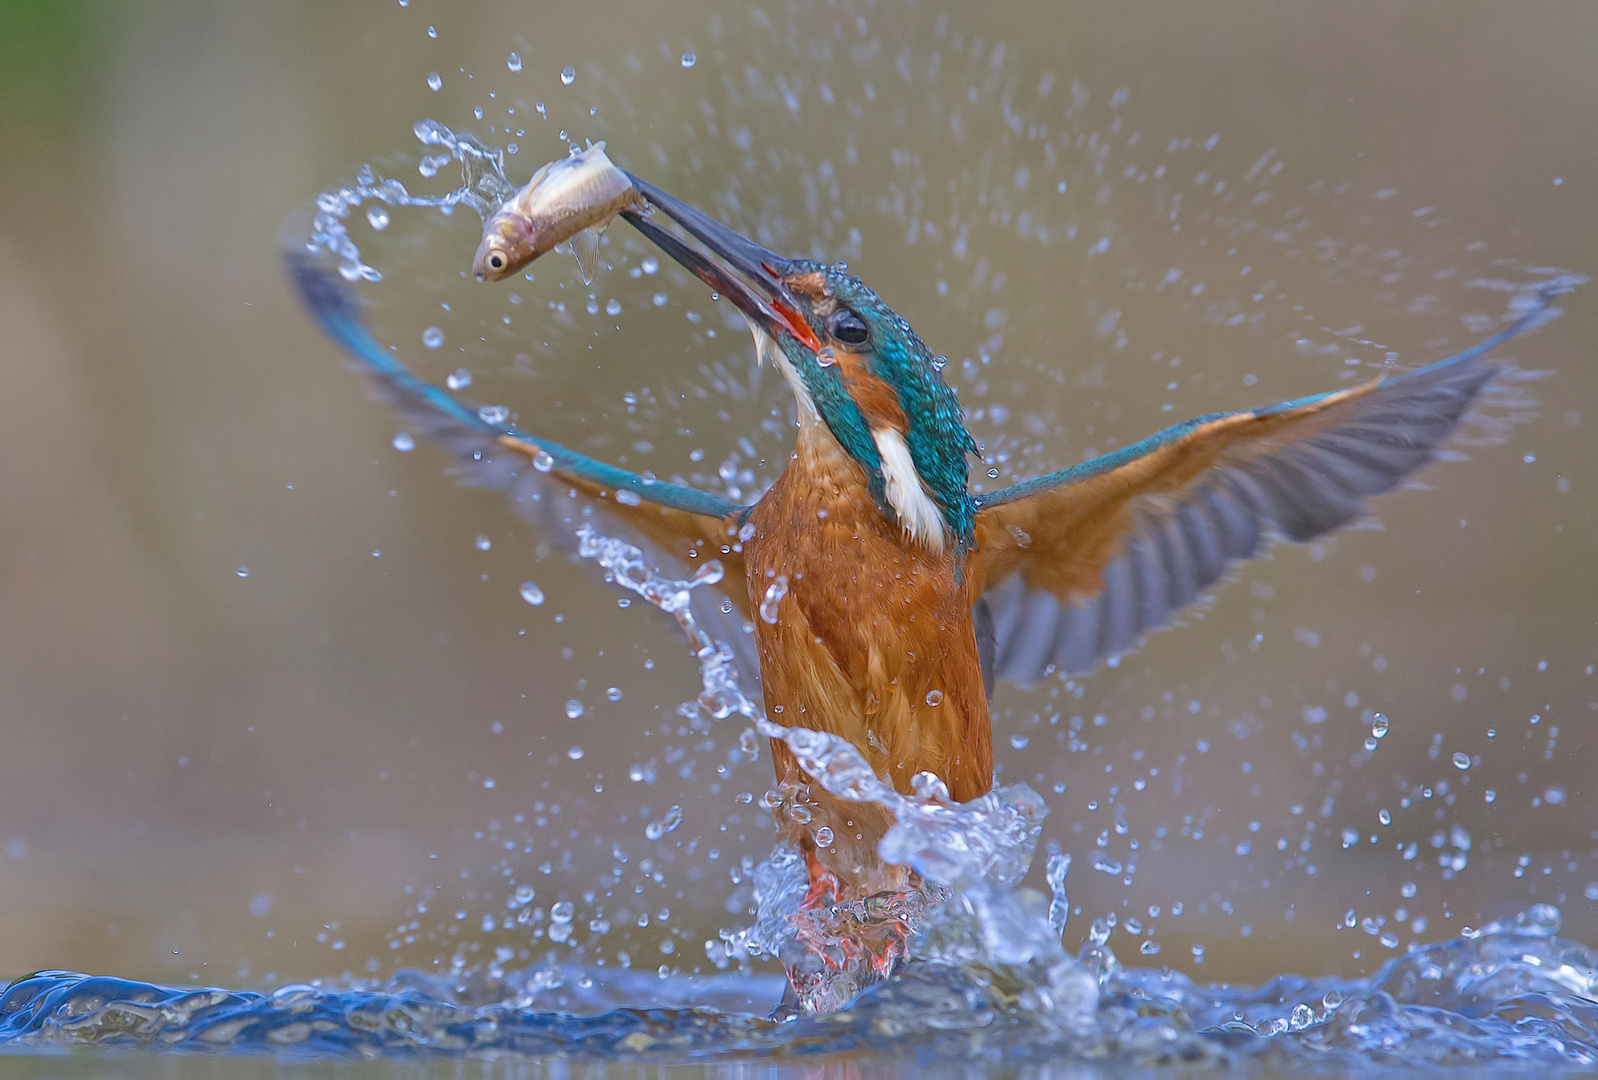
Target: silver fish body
point(583, 191)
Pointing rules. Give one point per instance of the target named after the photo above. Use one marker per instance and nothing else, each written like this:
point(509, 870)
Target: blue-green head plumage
point(873, 372)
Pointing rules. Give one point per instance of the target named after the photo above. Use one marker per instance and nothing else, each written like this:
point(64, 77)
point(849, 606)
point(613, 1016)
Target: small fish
point(564, 198)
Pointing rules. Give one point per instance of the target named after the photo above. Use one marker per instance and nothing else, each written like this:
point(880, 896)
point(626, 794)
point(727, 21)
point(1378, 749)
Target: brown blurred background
point(245, 779)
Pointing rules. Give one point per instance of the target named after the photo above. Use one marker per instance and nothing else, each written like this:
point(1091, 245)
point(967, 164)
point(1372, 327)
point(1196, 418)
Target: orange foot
point(842, 947)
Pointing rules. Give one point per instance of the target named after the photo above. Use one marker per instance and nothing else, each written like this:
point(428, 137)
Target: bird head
point(853, 363)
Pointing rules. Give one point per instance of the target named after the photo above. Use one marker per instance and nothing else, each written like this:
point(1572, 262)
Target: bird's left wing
point(551, 485)
point(1075, 566)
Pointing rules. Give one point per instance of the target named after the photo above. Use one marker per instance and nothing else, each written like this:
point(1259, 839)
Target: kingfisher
point(891, 597)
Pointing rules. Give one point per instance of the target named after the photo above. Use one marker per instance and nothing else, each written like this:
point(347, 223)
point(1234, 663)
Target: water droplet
point(1019, 741)
point(377, 218)
point(661, 299)
point(514, 61)
point(613, 308)
point(403, 442)
point(993, 474)
point(774, 594)
point(575, 753)
point(243, 571)
point(650, 264)
point(568, 75)
point(1150, 947)
point(561, 911)
point(483, 542)
point(613, 693)
point(433, 337)
point(826, 357)
point(1554, 796)
point(824, 837)
point(1384, 817)
point(1461, 761)
point(1379, 725)
point(435, 81)
point(656, 829)
point(628, 497)
point(939, 363)
point(574, 709)
point(689, 59)
point(934, 697)
point(493, 414)
point(532, 593)
point(542, 461)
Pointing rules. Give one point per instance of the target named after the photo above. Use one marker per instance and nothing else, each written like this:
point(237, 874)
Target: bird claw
point(841, 947)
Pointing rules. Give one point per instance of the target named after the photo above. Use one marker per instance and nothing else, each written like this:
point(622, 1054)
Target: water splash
point(970, 856)
point(484, 188)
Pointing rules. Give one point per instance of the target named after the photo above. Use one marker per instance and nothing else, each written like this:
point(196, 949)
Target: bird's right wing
point(678, 528)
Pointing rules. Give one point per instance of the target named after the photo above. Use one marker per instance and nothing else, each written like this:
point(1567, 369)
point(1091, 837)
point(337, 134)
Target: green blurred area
point(50, 54)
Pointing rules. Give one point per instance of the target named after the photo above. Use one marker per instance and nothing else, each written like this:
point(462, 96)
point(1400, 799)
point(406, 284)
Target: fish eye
point(496, 260)
point(847, 327)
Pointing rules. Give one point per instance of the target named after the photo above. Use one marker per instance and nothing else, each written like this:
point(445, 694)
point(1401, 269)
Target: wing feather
point(1076, 566)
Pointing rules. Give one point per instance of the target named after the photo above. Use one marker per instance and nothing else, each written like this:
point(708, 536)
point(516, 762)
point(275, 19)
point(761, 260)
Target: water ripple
point(1515, 993)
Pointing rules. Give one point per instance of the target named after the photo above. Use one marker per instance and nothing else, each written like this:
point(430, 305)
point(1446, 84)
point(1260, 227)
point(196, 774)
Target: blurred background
point(274, 706)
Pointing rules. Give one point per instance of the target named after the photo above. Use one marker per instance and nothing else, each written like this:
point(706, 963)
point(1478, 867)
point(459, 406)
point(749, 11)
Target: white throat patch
point(919, 516)
point(766, 348)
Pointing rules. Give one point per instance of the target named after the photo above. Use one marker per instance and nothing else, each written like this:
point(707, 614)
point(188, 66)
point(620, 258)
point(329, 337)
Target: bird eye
point(496, 260)
point(846, 327)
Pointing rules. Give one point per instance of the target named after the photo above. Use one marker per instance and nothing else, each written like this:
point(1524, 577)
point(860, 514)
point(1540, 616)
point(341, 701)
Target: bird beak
point(746, 273)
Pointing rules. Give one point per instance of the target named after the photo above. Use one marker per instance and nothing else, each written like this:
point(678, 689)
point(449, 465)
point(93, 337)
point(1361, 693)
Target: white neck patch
point(919, 516)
